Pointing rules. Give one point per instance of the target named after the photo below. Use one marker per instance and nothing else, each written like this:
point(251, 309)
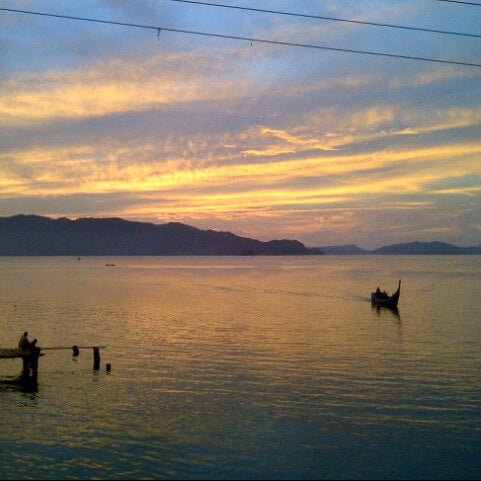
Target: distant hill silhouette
point(411, 248)
point(349, 249)
point(427, 248)
point(34, 235)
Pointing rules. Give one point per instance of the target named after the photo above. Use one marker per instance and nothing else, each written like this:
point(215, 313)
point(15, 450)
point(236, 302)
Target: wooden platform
point(30, 361)
point(6, 353)
point(11, 353)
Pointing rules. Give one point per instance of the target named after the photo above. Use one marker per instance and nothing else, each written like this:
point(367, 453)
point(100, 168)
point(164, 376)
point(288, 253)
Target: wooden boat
point(383, 299)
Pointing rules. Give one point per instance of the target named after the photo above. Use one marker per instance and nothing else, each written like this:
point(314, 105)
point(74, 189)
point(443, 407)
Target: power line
point(463, 3)
point(319, 17)
point(247, 39)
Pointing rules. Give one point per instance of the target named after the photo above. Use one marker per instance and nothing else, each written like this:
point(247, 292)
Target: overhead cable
point(463, 3)
point(334, 19)
point(247, 39)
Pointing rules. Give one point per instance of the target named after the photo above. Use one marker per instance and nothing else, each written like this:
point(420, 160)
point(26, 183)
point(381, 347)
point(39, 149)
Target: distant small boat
point(382, 299)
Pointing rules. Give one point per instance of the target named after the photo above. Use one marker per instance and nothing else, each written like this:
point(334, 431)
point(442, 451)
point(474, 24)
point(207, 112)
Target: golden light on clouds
point(216, 188)
point(250, 138)
point(109, 88)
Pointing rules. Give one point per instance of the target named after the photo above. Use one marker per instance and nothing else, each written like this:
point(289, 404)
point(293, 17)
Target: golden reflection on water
point(226, 367)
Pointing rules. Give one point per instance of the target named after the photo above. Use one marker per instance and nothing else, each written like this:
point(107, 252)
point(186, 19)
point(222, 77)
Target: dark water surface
point(243, 368)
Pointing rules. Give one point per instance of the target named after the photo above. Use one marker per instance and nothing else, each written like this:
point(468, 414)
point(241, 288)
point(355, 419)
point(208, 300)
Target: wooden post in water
point(96, 358)
point(30, 362)
point(34, 366)
point(26, 367)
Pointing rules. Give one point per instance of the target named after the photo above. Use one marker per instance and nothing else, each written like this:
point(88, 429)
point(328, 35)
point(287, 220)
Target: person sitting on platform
point(34, 349)
point(24, 343)
point(33, 358)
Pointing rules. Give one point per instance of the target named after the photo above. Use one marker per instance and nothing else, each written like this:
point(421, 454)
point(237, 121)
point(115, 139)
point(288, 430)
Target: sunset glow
point(260, 140)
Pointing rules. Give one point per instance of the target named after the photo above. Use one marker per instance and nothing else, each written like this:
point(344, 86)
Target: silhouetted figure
point(24, 343)
point(24, 346)
point(34, 349)
point(380, 293)
point(33, 359)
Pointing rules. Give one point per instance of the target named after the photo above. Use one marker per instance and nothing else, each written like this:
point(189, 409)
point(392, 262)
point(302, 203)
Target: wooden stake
point(96, 358)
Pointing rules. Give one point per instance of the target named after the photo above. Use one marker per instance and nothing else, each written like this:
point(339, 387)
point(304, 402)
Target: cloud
point(260, 139)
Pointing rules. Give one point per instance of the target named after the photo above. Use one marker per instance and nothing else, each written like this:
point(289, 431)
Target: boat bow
point(384, 300)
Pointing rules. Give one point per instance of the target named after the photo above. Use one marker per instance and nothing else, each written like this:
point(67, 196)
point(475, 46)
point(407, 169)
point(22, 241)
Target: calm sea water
point(243, 368)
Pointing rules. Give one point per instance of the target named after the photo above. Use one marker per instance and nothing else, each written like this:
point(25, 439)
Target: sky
point(157, 123)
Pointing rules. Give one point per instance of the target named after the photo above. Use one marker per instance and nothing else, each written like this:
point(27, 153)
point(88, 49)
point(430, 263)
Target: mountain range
point(410, 248)
point(34, 235)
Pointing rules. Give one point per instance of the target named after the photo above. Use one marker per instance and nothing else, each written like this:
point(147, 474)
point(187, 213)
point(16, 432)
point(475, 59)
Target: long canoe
point(385, 300)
